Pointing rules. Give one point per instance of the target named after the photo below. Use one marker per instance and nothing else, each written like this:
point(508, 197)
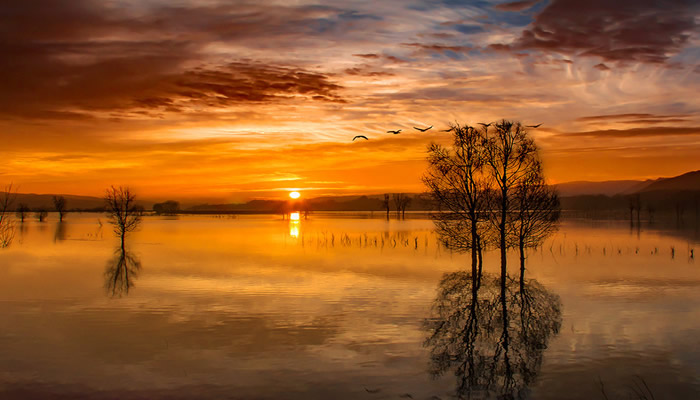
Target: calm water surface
point(332, 307)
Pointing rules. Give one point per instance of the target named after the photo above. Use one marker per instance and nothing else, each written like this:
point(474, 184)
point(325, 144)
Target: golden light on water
point(295, 195)
point(294, 216)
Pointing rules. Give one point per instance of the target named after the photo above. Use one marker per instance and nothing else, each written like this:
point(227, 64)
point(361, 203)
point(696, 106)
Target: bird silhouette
point(533, 126)
point(448, 130)
point(396, 132)
point(360, 137)
point(485, 125)
point(423, 130)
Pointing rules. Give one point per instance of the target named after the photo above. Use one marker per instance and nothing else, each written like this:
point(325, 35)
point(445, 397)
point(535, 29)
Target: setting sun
point(294, 195)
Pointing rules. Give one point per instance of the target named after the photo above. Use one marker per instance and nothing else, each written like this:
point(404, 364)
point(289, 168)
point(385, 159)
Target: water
point(330, 307)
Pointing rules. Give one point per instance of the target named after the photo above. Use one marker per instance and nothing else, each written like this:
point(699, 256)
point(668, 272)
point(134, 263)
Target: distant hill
point(606, 188)
point(687, 182)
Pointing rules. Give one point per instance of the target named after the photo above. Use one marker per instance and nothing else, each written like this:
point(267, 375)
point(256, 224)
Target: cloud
point(660, 131)
point(516, 5)
point(601, 67)
point(618, 31)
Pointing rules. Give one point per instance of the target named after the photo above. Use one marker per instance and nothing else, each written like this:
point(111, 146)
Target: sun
point(294, 195)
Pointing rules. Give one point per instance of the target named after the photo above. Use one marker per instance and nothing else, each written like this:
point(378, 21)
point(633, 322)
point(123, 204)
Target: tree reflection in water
point(491, 336)
point(120, 273)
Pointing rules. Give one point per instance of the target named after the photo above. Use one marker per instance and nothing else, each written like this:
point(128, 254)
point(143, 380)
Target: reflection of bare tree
point(120, 273)
point(491, 336)
point(60, 233)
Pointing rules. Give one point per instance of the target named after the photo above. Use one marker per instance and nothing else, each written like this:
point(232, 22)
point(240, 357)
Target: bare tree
point(41, 214)
point(536, 213)
point(457, 182)
point(7, 225)
point(59, 203)
point(123, 213)
point(22, 211)
point(510, 156)
point(401, 201)
point(385, 203)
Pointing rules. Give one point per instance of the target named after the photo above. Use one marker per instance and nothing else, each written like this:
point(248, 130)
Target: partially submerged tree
point(536, 212)
point(401, 202)
point(22, 211)
point(385, 204)
point(489, 188)
point(7, 225)
point(59, 203)
point(124, 214)
point(41, 214)
point(457, 182)
point(510, 156)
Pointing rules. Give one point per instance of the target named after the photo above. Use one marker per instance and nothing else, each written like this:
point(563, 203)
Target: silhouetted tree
point(121, 272)
point(123, 213)
point(22, 211)
point(41, 214)
point(510, 156)
point(385, 203)
point(456, 180)
point(536, 213)
point(59, 203)
point(491, 336)
point(169, 207)
point(7, 225)
point(401, 201)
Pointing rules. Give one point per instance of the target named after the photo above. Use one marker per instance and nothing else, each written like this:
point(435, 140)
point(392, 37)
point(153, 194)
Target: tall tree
point(536, 213)
point(510, 156)
point(456, 180)
point(123, 212)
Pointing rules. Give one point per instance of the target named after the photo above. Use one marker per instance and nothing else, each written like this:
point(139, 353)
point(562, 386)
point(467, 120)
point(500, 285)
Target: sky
point(233, 100)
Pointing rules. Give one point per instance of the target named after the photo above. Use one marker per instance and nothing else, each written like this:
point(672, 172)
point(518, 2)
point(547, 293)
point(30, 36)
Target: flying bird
point(448, 130)
point(533, 126)
point(396, 132)
point(423, 130)
point(360, 137)
point(485, 125)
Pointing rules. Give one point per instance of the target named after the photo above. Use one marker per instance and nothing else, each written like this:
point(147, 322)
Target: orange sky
point(227, 101)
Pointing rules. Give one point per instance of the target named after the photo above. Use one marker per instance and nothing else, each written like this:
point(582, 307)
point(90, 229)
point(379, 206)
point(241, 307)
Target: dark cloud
point(88, 57)
point(625, 30)
point(370, 55)
point(601, 67)
point(637, 132)
point(438, 48)
point(618, 117)
point(365, 71)
point(516, 5)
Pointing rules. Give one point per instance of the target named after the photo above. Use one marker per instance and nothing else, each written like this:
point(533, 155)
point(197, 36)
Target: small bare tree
point(123, 213)
point(22, 211)
point(401, 201)
point(385, 203)
point(7, 225)
point(41, 214)
point(59, 203)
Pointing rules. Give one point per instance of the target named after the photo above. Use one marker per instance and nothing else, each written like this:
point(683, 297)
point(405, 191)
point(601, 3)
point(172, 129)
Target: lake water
point(333, 307)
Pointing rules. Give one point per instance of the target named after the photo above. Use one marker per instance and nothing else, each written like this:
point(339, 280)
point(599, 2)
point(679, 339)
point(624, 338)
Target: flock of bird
point(397, 131)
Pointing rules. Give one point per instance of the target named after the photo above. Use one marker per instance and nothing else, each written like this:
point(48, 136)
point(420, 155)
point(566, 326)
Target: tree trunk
point(522, 265)
point(475, 245)
point(502, 234)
